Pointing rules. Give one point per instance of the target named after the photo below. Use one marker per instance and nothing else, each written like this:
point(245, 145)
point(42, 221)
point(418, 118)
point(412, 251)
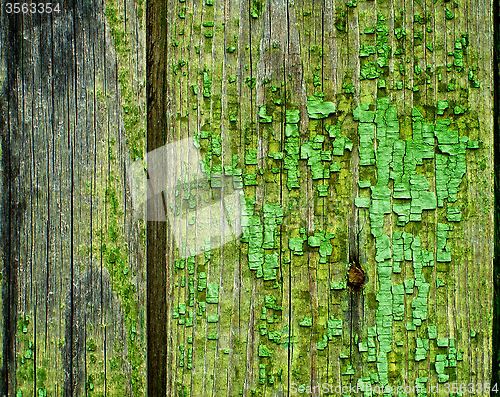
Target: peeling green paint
point(395, 152)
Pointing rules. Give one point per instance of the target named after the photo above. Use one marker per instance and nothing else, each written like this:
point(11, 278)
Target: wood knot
point(356, 277)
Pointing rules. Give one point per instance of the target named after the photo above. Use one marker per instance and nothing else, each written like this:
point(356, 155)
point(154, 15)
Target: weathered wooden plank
point(13, 200)
point(178, 294)
point(75, 231)
point(197, 344)
point(221, 270)
point(272, 72)
point(362, 17)
point(479, 24)
point(249, 308)
point(48, 357)
point(30, 252)
point(120, 323)
point(231, 85)
point(96, 341)
point(390, 331)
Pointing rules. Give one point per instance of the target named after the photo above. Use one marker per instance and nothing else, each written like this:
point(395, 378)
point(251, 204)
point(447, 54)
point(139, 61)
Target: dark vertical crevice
point(60, 80)
point(72, 350)
point(495, 379)
point(156, 231)
point(356, 276)
point(12, 202)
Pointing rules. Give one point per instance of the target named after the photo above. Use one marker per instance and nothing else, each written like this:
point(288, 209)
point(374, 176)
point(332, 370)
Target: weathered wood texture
point(73, 268)
point(271, 311)
point(268, 312)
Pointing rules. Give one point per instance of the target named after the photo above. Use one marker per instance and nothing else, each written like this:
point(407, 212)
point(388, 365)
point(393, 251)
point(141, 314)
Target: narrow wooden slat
point(231, 83)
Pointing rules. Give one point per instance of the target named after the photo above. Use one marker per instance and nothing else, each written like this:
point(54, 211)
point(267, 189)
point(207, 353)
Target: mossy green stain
point(132, 116)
